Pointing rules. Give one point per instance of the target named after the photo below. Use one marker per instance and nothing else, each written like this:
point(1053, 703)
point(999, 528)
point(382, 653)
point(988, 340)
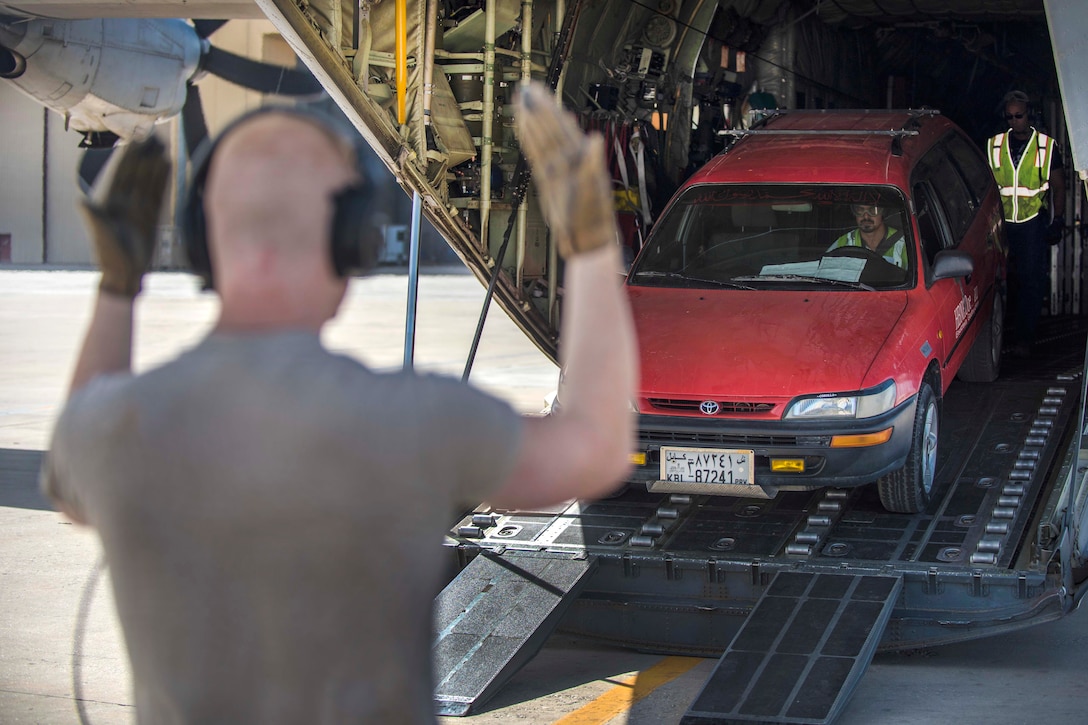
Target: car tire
point(909, 489)
point(983, 362)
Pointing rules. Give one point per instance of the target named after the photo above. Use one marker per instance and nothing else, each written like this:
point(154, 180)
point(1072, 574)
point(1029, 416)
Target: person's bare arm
point(107, 344)
point(583, 450)
point(122, 229)
point(1057, 192)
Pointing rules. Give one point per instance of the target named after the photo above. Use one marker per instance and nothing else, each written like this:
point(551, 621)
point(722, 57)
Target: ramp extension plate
point(493, 617)
point(801, 652)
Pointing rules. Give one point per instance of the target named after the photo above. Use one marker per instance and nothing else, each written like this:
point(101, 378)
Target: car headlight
point(860, 405)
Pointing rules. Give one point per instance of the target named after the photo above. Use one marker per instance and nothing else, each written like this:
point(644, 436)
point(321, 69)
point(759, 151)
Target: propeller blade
point(91, 165)
point(262, 77)
point(192, 119)
point(205, 28)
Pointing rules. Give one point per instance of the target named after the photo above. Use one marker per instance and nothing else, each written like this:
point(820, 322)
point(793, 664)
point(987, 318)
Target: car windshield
point(780, 236)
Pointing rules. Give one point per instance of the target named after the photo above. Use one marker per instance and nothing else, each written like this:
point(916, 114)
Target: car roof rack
point(910, 127)
point(819, 132)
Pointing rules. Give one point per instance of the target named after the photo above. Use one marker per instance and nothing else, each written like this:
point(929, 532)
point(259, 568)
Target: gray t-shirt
point(272, 515)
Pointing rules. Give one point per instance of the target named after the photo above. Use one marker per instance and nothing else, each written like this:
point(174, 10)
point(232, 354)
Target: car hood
point(760, 343)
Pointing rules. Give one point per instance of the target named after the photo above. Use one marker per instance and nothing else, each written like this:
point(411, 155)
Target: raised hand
point(569, 170)
point(122, 225)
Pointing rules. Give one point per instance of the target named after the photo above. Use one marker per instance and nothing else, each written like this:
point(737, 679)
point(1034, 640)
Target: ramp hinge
point(977, 589)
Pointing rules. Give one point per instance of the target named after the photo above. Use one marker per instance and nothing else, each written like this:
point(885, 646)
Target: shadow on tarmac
point(19, 479)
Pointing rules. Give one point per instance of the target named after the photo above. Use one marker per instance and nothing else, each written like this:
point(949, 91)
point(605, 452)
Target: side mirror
point(951, 263)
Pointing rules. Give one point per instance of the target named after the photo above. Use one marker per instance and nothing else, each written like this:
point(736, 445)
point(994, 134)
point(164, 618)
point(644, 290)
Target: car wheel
point(983, 362)
point(908, 490)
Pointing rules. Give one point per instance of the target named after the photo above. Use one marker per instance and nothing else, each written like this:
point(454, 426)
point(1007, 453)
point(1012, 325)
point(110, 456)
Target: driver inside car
point(874, 235)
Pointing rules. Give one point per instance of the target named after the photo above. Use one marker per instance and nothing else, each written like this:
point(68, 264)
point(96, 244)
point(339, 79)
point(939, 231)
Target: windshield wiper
point(722, 282)
point(806, 278)
point(688, 278)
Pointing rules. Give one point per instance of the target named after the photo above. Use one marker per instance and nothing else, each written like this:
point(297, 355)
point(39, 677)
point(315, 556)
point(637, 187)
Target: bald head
point(272, 181)
point(269, 203)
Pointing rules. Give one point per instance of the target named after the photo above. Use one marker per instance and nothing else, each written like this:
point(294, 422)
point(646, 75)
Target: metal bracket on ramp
point(493, 617)
point(801, 652)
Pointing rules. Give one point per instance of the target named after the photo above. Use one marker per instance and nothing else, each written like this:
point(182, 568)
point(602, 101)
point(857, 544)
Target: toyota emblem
point(709, 407)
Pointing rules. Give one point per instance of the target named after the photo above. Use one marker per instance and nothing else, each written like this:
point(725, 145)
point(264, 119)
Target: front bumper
point(810, 440)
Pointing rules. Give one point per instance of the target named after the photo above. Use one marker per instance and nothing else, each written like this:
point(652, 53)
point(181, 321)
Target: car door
point(946, 213)
point(986, 241)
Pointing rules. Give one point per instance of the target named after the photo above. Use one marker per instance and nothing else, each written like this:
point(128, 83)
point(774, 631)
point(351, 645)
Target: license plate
point(707, 465)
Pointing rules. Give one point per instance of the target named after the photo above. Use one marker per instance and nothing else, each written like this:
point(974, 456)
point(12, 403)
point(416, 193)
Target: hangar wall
point(65, 239)
point(20, 177)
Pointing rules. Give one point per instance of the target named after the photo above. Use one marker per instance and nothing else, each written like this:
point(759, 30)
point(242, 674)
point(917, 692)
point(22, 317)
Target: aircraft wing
point(81, 9)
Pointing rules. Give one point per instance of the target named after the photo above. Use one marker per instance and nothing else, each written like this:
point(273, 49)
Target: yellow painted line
point(628, 691)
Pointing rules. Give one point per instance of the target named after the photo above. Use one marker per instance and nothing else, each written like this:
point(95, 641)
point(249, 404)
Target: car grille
point(667, 437)
point(724, 407)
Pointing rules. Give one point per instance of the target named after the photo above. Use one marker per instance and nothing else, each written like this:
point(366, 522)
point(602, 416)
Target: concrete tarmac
point(48, 675)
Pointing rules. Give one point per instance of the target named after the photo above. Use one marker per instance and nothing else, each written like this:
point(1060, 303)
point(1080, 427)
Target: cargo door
point(1067, 20)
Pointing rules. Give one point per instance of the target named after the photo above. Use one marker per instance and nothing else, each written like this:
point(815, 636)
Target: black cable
point(85, 600)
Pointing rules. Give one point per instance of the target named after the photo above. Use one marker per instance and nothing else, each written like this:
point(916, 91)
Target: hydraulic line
point(521, 180)
point(401, 49)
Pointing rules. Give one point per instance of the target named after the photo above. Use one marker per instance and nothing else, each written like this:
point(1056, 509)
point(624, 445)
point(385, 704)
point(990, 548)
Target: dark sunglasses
point(1011, 116)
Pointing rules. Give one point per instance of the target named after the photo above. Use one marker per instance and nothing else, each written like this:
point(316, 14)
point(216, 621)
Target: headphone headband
point(1015, 97)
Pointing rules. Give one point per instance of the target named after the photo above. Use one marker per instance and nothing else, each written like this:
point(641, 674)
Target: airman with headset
point(271, 512)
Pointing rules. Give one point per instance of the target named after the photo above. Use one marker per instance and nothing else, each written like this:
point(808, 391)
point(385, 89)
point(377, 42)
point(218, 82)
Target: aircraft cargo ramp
point(757, 579)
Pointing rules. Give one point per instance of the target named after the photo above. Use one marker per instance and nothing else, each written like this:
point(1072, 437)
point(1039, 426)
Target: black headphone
point(352, 237)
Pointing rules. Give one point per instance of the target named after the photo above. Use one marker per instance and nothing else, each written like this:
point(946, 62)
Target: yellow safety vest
point(1023, 188)
point(893, 247)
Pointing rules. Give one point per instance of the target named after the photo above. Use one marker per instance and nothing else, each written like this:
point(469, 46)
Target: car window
point(972, 165)
point(937, 169)
point(799, 236)
point(932, 229)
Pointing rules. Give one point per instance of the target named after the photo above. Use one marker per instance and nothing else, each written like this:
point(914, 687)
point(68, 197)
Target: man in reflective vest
point(1026, 165)
point(888, 242)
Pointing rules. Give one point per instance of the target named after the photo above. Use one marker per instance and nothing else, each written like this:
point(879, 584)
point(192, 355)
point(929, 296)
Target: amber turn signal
point(862, 439)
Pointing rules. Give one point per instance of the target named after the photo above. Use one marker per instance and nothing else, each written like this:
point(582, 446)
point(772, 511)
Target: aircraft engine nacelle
point(12, 64)
point(118, 75)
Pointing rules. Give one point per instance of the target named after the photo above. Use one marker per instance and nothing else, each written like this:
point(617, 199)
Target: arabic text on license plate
point(706, 465)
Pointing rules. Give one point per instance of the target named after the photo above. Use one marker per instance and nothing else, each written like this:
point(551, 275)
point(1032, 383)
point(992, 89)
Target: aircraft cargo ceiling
point(960, 56)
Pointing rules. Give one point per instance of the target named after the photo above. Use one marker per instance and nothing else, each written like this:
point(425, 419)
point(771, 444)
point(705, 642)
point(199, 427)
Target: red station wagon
point(806, 299)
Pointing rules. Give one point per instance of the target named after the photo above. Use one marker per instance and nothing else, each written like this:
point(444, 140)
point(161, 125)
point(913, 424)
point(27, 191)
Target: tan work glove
point(122, 226)
point(569, 169)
